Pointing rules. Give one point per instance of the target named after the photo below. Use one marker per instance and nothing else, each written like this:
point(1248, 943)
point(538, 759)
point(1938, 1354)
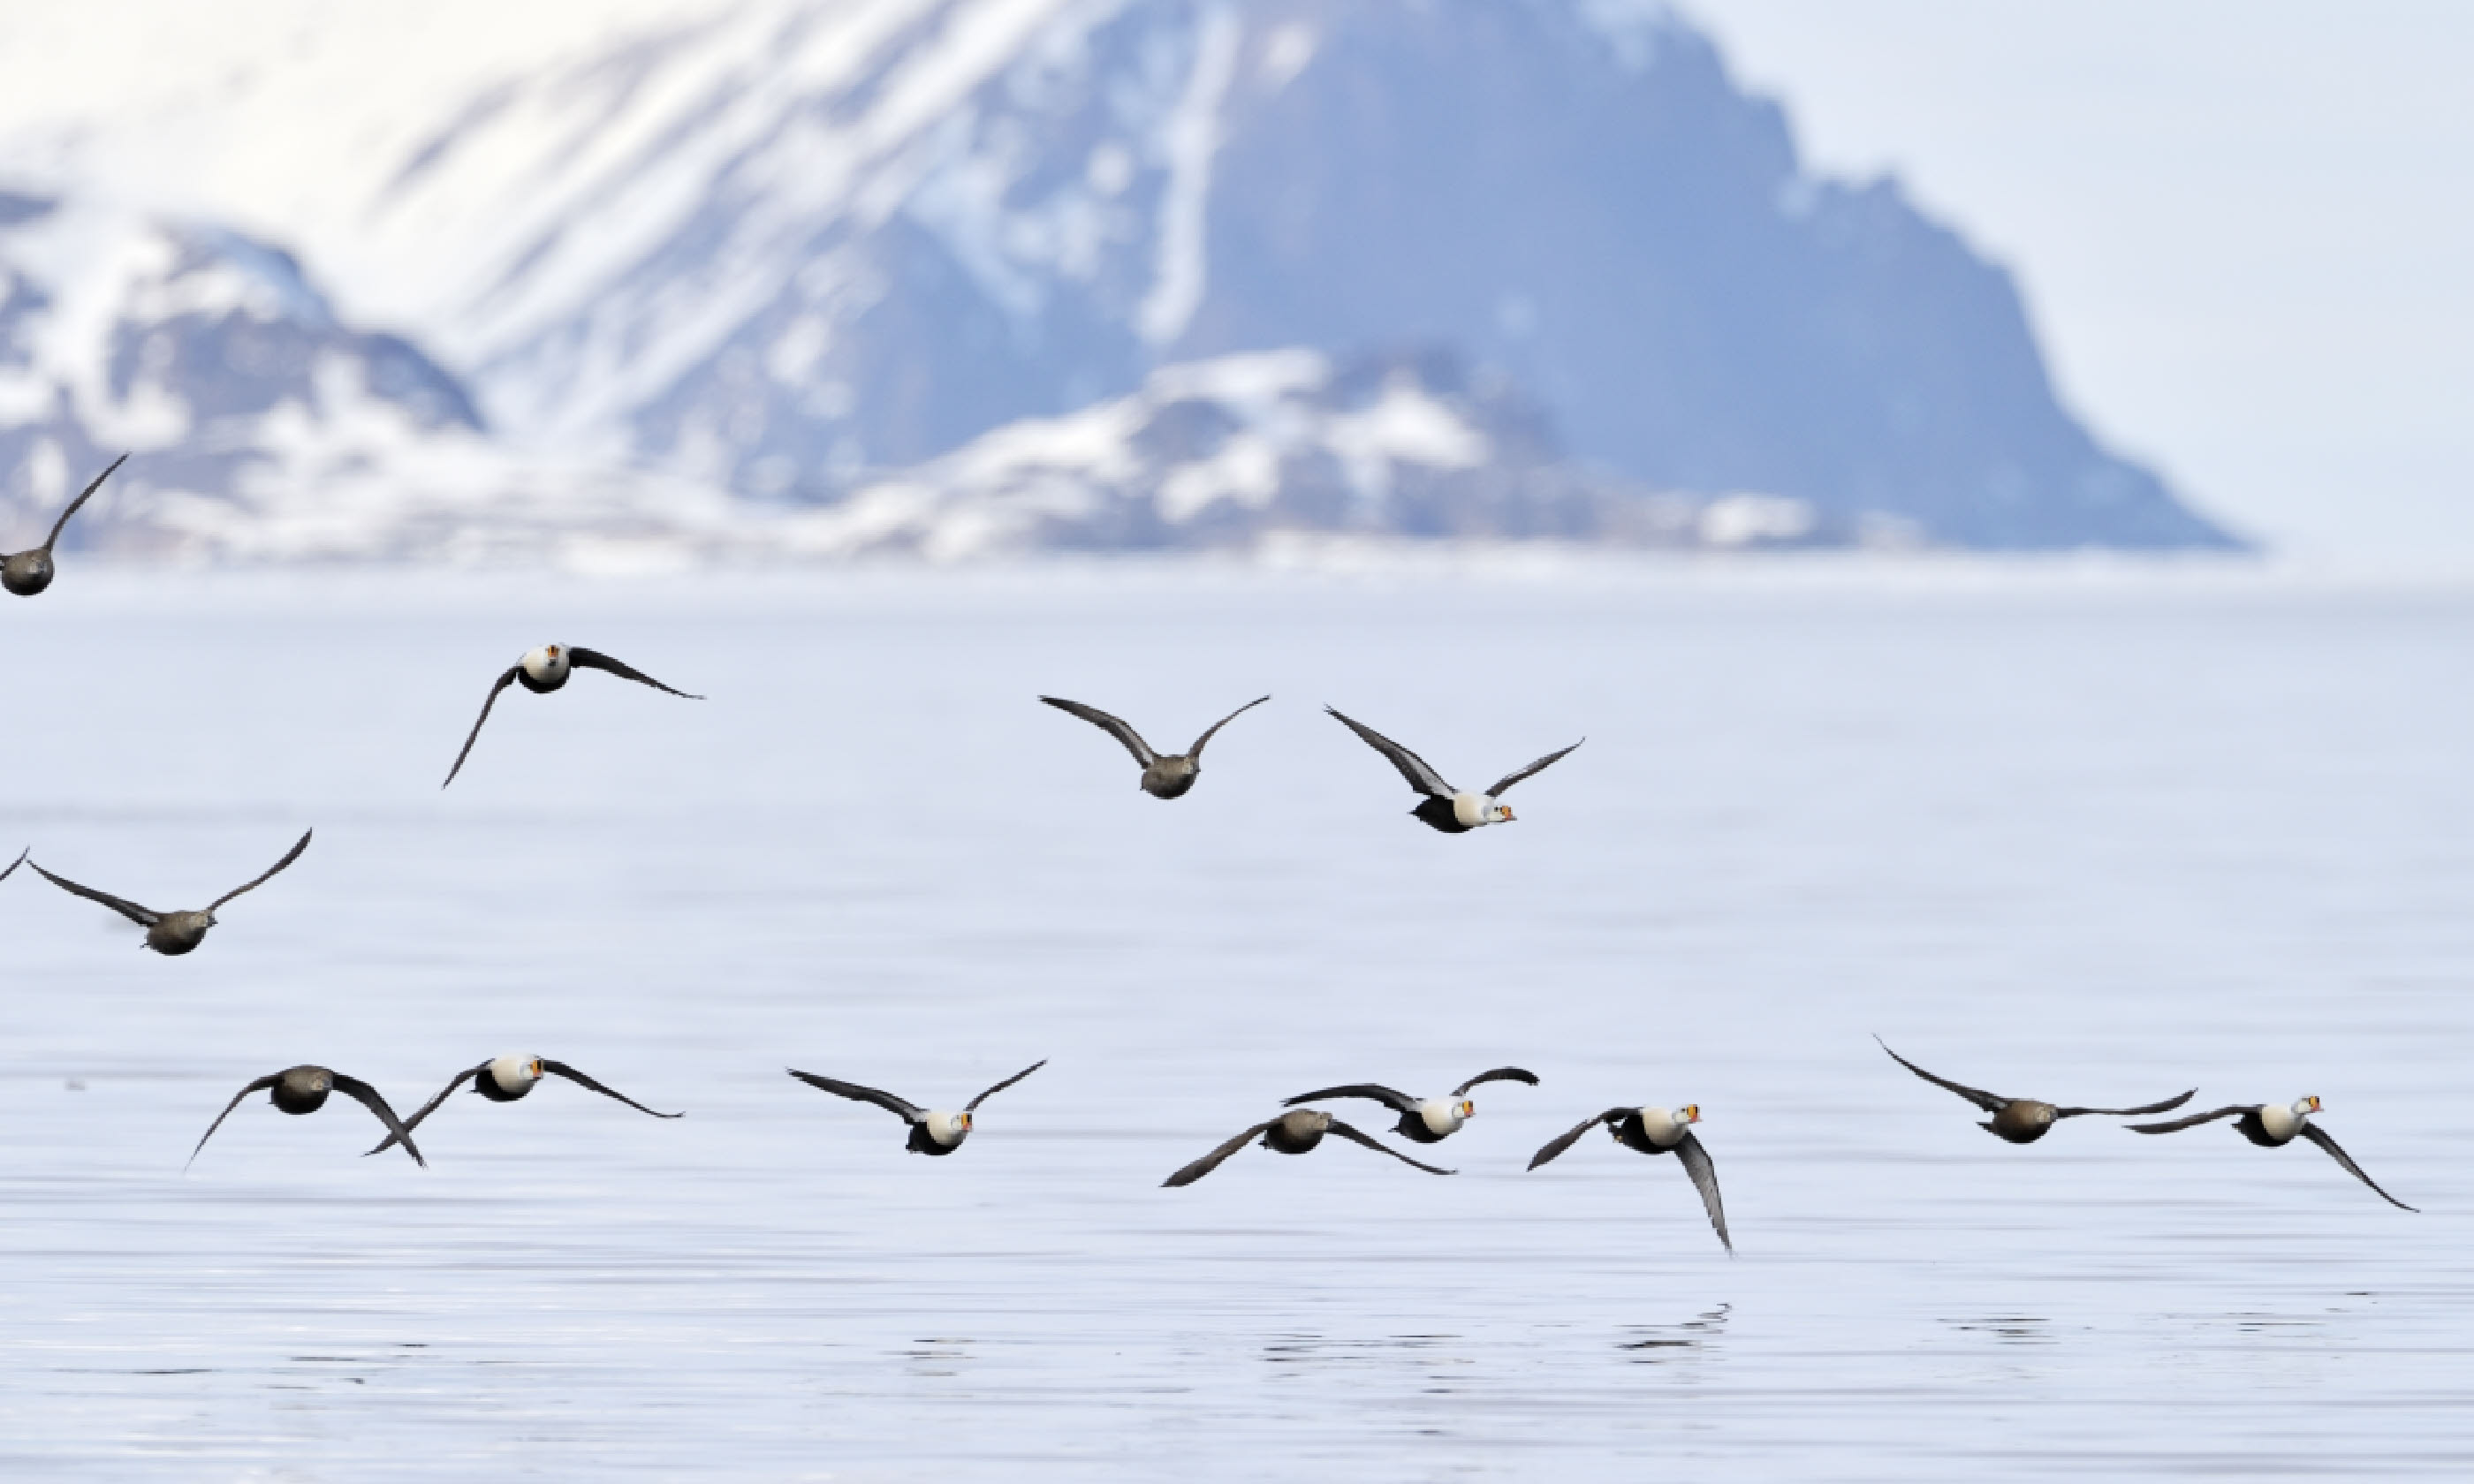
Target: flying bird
point(1451, 810)
point(1655, 1131)
point(544, 670)
point(1164, 776)
point(506, 1079)
point(2273, 1126)
point(1297, 1132)
point(303, 1090)
point(1426, 1120)
point(2023, 1120)
point(175, 933)
point(933, 1131)
point(27, 573)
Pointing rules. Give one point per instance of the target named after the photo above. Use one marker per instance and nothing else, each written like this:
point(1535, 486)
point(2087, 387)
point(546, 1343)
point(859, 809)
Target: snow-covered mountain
point(787, 246)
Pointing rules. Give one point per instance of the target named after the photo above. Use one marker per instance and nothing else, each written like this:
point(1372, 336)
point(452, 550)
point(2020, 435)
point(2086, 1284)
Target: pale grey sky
point(2245, 227)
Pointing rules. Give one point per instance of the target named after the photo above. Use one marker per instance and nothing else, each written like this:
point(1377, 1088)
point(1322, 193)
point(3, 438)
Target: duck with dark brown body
point(2023, 1120)
point(27, 573)
point(175, 933)
point(1297, 1132)
point(303, 1090)
point(1165, 774)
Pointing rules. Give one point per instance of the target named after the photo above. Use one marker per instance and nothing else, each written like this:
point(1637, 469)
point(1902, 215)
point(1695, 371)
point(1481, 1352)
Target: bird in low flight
point(2273, 1125)
point(933, 1131)
point(1166, 775)
point(1428, 1120)
point(1452, 811)
point(545, 669)
point(2023, 1120)
point(27, 573)
point(303, 1090)
point(507, 1079)
point(1655, 1131)
point(175, 933)
point(1296, 1132)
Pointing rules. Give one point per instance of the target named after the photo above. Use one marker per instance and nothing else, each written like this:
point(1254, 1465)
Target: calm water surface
point(2092, 840)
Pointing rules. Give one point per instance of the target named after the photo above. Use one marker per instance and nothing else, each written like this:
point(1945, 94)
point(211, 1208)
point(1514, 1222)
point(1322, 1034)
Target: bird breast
point(944, 1128)
point(546, 666)
point(2280, 1123)
point(1471, 808)
point(1442, 1115)
point(1663, 1128)
point(512, 1075)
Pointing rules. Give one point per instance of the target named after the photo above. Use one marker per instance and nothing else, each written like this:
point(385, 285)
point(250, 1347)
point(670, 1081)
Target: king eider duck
point(2023, 1120)
point(2273, 1125)
point(1426, 1120)
point(175, 933)
point(1655, 1131)
point(303, 1090)
point(933, 1131)
point(1296, 1132)
point(544, 670)
point(507, 1079)
point(1453, 811)
point(27, 573)
point(1164, 776)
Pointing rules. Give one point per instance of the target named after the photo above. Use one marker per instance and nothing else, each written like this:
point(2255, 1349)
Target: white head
point(2304, 1107)
point(546, 664)
point(1475, 809)
point(1665, 1127)
point(947, 1128)
point(514, 1073)
point(1446, 1115)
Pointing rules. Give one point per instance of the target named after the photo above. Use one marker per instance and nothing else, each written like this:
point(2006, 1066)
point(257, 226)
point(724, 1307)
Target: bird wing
point(368, 1097)
point(1375, 1092)
point(15, 864)
point(474, 735)
point(2166, 1106)
point(1499, 1074)
point(581, 1079)
point(1114, 726)
point(1705, 1179)
point(269, 874)
point(1566, 1140)
point(596, 660)
point(2195, 1120)
point(1218, 1156)
point(259, 1085)
point(1540, 766)
point(2319, 1136)
point(1193, 754)
point(1422, 777)
point(1380, 1147)
point(1990, 1102)
point(62, 524)
point(910, 1112)
point(431, 1107)
point(973, 1106)
point(143, 916)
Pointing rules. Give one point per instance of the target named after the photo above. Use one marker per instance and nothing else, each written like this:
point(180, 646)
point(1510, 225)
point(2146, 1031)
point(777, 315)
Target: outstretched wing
point(1377, 1145)
point(474, 735)
point(368, 1097)
point(271, 871)
point(1540, 766)
point(2319, 1136)
point(1195, 753)
point(1216, 1157)
point(1566, 1140)
point(1390, 1097)
point(259, 1085)
point(594, 660)
point(143, 916)
point(581, 1079)
point(1705, 1179)
point(1422, 778)
point(910, 1113)
point(2166, 1106)
point(15, 864)
point(62, 524)
point(1990, 1102)
point(1113, 726)
point(431, 1107)
point(1499, 1074)
point(973, 1106)
point(2194, 1120)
